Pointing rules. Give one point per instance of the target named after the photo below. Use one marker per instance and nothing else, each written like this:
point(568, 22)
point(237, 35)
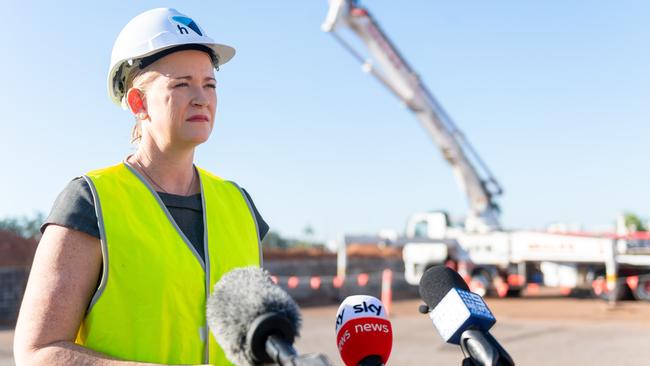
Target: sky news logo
point(362, 308)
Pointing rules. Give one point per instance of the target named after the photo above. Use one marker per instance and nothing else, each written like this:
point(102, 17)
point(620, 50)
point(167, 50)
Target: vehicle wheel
point(514, 292)
point(643, 289)
point(599, 289)
point(624, 292)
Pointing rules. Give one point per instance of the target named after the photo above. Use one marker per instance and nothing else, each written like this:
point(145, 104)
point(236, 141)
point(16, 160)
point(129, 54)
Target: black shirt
point(75, 208)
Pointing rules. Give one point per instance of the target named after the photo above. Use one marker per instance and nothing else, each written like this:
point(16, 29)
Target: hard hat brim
point(224, 53)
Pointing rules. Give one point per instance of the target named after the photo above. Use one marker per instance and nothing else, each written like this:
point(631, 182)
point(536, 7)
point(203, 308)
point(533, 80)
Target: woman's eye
point(180, 85)
point(213, 86)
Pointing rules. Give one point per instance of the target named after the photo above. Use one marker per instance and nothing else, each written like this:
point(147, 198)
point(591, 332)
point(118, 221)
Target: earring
point(141, 115)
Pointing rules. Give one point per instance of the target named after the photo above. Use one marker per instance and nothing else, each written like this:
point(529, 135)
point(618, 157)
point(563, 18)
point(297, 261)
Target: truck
point(492, 260)
point(505, 262)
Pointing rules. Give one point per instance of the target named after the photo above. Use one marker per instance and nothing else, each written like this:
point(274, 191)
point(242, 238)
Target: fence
point(12, 287)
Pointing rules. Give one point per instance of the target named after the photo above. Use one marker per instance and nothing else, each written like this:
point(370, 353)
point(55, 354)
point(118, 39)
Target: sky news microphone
point(255, 321)
point(364, 335)
point(461, 317)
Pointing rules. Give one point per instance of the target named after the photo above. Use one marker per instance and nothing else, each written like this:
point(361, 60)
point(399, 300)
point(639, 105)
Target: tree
point(27, 227)
point(308, 231)
point(274, 240)
point(634, 223)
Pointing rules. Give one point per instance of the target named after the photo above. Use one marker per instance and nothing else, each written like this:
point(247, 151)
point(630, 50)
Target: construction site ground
point(543, 330)
point(546, 329)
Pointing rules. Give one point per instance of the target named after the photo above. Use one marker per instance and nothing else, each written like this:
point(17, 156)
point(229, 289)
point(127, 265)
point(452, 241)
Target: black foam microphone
point(461, 317)
point(255, 321)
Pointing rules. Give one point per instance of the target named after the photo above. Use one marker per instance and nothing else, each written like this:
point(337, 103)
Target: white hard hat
point(150, 34)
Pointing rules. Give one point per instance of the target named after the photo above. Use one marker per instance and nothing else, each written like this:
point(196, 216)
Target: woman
point(130, 252)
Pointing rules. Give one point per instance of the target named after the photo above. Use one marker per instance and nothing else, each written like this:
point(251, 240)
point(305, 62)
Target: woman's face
point(181, 100)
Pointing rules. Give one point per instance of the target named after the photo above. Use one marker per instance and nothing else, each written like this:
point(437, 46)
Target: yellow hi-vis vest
point(150, 304)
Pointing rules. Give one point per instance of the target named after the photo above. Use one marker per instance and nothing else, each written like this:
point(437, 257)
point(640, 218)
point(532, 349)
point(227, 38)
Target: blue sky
point(554, 95)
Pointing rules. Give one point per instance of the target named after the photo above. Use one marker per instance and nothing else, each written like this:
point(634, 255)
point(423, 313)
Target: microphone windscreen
point(436, 282)
point(239, 297)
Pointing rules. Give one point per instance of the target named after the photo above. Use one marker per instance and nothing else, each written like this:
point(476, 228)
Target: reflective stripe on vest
point(150, 305)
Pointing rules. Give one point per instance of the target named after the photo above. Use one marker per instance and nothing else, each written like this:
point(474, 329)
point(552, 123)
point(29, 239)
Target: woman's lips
point(198, 118)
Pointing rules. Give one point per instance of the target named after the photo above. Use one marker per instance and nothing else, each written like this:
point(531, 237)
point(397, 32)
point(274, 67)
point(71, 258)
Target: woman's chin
point(198, 140)
point(198, 136)
point(189, 141)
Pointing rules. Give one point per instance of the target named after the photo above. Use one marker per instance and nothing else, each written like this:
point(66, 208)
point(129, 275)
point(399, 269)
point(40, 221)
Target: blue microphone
point(461, 317)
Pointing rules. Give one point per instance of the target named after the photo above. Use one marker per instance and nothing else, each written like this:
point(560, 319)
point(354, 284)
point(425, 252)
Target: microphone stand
point(483, 349)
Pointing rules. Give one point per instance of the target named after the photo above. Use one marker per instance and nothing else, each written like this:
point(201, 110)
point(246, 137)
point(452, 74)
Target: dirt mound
point(354, 250)
point(294, 253)
point(373, 251)
point(16, 250)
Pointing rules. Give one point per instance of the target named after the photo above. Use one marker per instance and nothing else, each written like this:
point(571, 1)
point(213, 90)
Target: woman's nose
point(200, 98)
point(200, 101)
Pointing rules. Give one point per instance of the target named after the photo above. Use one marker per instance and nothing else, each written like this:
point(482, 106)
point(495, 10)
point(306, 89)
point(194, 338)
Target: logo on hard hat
point(188, 23)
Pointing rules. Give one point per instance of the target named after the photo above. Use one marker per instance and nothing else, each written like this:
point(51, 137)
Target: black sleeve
point(262, 226)
point(74, 208)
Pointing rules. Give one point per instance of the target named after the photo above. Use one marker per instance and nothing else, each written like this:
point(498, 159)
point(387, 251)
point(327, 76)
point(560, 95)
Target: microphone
point(364, 335)
point(461, 317)
point(255, 321)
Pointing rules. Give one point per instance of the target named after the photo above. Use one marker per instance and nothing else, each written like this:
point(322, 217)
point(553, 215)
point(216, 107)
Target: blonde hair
point(139, 79)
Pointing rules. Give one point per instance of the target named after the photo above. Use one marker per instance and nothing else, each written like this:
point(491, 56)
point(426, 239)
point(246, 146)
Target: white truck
point(505, 262)
point(492, 259)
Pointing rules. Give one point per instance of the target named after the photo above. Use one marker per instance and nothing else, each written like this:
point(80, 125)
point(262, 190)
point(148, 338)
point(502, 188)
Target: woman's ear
point(135, 100)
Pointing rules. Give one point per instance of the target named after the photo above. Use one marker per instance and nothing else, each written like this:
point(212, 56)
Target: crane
point(493, 259)
point(391, 69)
